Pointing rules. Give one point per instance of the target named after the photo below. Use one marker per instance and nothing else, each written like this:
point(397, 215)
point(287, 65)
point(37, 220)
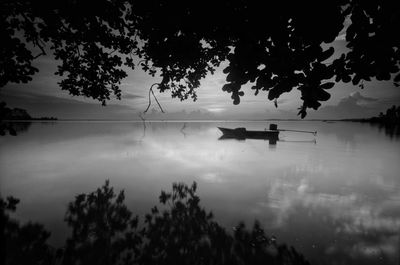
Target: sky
point(43, 97)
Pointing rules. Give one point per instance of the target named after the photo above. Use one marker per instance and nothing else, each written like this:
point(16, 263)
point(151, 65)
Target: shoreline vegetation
point(18, 114)
point(13, 121)
point(390, 117)
point(105, 231)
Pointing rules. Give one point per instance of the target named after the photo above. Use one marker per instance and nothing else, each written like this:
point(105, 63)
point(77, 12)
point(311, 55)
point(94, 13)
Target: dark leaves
point(173, 39)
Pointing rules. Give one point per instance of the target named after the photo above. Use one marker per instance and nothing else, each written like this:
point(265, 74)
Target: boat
point(271, 135)
point(242, 133)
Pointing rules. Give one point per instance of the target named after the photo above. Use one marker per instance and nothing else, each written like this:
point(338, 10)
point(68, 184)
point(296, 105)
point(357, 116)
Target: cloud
point(353, 106)
point(215, 109)
point(130, 96)
point(360, 98)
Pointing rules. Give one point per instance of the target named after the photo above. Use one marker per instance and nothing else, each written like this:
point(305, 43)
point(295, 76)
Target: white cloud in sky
point(355, 105)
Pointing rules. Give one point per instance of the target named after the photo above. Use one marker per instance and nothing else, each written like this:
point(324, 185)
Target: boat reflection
point(271, 139)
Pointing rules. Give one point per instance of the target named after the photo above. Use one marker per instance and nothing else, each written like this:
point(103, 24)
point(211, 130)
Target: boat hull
point(242, 133)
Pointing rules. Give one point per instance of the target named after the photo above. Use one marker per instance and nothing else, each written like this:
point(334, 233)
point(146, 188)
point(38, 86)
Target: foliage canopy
point(278, 47)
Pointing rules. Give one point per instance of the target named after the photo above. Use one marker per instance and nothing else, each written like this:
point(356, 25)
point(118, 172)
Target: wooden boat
point(242, 133)
point(271, 135)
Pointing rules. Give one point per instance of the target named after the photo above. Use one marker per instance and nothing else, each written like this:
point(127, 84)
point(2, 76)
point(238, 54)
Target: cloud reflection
point(322, 198)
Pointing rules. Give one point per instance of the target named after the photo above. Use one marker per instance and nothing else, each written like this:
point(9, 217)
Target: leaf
point(302, 113)
point(226, 70)
point(326, 54)
point(328, 85)
point(227, 87)
point(322, 95)
point(356, 79)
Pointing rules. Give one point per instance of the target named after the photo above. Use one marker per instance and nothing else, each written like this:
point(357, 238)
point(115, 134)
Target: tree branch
point(36, 40)
point(157, 101)
point(152, 92)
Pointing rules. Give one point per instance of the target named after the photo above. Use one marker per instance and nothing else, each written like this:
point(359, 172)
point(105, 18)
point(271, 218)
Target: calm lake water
point(335, 199)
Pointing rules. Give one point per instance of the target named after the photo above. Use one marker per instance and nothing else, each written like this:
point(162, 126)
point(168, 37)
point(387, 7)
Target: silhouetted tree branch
point(152, 93)
point(276, 49)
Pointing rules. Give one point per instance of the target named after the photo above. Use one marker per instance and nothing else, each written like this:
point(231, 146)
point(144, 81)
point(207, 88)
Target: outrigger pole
point(274, 127)
point(315, 132)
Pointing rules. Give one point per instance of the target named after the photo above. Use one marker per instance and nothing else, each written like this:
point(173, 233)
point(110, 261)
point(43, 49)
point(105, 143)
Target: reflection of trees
point(12, 114)
point(105, 232)
point(24, 244)
point(392, 116)
point(390, 130)
point(13, 128)
point(388, 122)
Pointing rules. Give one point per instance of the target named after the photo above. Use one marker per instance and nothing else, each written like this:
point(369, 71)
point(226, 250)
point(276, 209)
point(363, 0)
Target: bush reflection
point(178, 231)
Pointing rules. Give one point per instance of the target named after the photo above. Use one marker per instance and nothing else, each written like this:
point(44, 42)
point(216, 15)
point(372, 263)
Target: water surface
point(335, 197)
